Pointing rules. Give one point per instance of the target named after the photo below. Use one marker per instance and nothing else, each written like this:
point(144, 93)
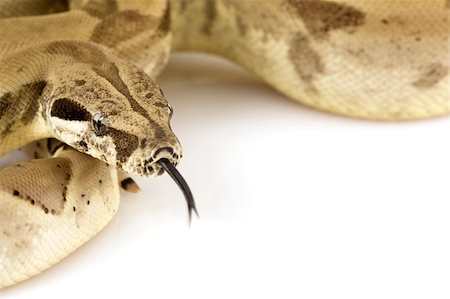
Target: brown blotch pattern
point(320, 17)
point(5, 103)
point(183, 4)
point(125, 143)
point(22, 105)
point(121, 26)
point(33, 92)
point(431, 75)
point(50, 197)
point(242, 27)
point(210, 16)
point(306, 61)
point(164, 25)
point(100, 8)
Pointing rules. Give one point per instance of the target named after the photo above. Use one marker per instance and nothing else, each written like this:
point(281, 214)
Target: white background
point(294, 203)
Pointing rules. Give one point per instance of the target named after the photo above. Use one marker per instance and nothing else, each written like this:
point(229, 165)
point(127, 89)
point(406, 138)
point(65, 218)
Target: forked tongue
point(176, 176)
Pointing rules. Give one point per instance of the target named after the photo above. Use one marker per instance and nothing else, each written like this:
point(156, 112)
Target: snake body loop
point(83, 71)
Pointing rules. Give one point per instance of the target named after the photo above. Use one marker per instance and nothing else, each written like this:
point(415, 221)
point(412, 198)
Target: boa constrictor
point(80, 71)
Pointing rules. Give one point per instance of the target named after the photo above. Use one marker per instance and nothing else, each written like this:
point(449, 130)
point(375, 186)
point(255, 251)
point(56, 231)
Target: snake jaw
point(178, 178)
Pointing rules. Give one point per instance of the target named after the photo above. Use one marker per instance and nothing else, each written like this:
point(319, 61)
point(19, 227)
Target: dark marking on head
point(113, 112)
point(100, 9)
point(210, 16)
point(164, 25)
point(110, 72)
point(80, 82)
point(83, 146)
point(306, 61)
point(69, 110)
point(108, 102)
point(121, 26)
point(148, 169)
point(88, 53)
point(320, 16)
point(159, 132)
point(125, 143)
point(159, 104)
point(16, 193)
point(144, 143)
point(431, 75)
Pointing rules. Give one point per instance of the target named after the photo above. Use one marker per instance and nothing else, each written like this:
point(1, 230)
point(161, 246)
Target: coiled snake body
point(81, 72)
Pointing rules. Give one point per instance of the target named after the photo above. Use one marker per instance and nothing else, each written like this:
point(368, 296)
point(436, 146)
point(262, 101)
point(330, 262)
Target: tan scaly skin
point(82, 77)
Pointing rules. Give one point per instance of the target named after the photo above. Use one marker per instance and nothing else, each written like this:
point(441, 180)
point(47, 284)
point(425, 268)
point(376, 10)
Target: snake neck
point(29, 80)
point(22, 86)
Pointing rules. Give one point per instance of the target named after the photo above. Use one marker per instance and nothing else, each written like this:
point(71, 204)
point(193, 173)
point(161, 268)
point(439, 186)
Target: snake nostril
point(163, 149)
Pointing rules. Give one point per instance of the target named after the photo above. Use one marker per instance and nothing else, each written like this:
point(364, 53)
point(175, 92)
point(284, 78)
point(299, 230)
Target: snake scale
point(82, 71)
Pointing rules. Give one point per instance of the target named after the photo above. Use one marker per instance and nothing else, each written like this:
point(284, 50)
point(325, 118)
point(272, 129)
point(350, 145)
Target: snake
point(77, 84)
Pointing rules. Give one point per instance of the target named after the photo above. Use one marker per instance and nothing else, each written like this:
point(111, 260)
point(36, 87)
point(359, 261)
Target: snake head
point(111, 110)
point(115, 112)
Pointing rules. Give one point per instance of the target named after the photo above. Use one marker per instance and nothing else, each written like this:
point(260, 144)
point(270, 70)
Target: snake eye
point(170, 111)
point(99, 124)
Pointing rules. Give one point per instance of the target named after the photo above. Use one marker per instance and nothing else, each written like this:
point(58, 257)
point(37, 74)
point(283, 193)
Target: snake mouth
point(165, 159)
point(181, 182)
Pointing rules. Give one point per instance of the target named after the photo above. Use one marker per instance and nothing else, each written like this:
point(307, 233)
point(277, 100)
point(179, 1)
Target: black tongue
point(176, 176)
